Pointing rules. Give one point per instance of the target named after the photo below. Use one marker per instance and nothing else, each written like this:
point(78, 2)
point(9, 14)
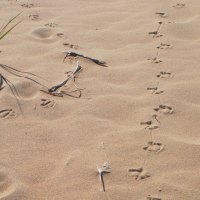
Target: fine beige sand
point(140, 114)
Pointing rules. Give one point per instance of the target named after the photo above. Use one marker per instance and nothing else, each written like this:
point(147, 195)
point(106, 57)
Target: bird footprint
point(153, 198)
point(155, 60)
point(155, 34)
point(164, 109)
point(155, 90)
point(60, 35)
point(52, 25)
point(47, 103)
point(33, 17)
point(72, 46)
point(161, 14)
point(179, 5)
point(139, 173)
point(164, 46)
point(151, 123)
point(154, 146)
point(163, 74)
point(27, 5)
point(7, 114)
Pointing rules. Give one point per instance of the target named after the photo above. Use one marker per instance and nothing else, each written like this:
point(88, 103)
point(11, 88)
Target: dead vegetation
point(103, 170)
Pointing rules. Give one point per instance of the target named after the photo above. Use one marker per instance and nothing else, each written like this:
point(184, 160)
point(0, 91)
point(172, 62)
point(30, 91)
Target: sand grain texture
point(52, 151)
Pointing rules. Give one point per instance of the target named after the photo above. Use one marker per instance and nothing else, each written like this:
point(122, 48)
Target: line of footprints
point(150, 124)
point(153, 122)
point(10, 113)
point(44, 103)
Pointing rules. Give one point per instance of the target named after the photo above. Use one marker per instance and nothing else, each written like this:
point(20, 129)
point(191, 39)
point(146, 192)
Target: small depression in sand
point(27, 89)
point(7, 186)
point(43, 33)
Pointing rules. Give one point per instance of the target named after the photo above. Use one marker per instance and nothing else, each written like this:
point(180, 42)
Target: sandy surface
point(141, 113)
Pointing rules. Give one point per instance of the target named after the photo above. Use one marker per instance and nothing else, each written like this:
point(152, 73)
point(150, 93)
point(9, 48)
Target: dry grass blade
point(102, 170)
point(12, 89)
point(20, 74)
point(4, 31)
point(1, 82)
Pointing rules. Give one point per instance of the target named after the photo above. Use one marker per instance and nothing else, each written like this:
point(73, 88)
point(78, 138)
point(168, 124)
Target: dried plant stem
point(3, 29)
point(102, 170)
point(73, 54)
point(11, 86)
point(71, 76)
point(102, 181)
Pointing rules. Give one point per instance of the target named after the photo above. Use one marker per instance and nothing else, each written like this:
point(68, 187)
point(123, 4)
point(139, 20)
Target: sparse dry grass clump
point(5, 30)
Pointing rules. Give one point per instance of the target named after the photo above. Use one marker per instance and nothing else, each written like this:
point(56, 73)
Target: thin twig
point(19, 74)
point(13, 90)
point(16, 72)
point(71, 76)
point(96, 61)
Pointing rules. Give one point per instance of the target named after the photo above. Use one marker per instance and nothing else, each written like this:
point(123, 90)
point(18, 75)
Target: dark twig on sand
point(73, 54)
point(71, 75)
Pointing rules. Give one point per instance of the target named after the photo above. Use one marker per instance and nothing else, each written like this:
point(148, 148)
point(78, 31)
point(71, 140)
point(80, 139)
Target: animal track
point(179, 5)
point(33, 17)
point(156, 33)
point(155, 60)
point(47, 103)
point(146, 123)
point(72, 46)
point(155, 90)
point(52, 25)
point(164, 46)
point(60, 35)
point(27, 5)
point(161, 14)
point(151, 123)
point(7, 114)
point(154, 147)
point(139, 173)
point(152, 127)
point(153, 198)
point(164, 109)
point(163, 74)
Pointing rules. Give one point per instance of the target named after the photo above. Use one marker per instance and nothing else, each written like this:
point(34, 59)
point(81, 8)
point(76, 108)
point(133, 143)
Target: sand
point(141, 113)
